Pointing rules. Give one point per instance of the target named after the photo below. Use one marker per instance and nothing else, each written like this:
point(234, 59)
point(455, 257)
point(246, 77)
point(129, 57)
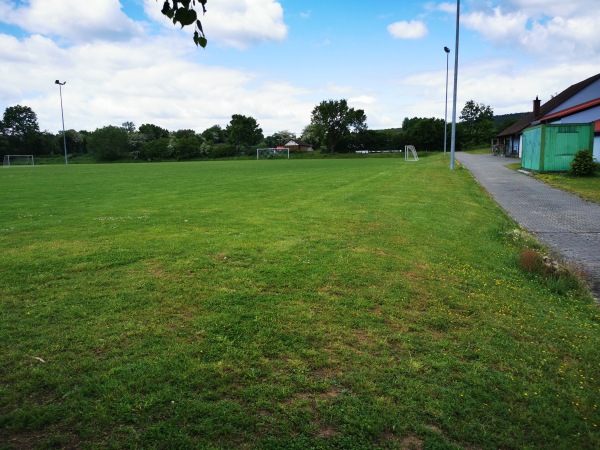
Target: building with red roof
point(579, 103)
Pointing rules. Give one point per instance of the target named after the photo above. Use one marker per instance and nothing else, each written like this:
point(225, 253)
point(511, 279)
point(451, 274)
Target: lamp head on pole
point(446, 49)
point(58, 82)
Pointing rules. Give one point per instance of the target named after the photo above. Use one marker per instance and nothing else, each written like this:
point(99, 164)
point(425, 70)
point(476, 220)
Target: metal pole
point(447, 50)
point(453, 139)
point(60, 85)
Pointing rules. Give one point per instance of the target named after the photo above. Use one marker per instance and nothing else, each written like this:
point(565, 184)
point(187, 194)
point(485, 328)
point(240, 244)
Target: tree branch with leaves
point(333, 120)
point(184, 12)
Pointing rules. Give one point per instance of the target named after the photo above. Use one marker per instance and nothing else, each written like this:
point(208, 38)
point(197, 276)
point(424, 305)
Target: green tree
point(76, 142)
point(279, 138)
point(214, 135)
point(157, 149)
point(109, 143)
point(153, 131)
point(310, 134)
point(424, 133)
point(20, 130)
point(335, 121)
point(136, 141)
point(378, 140)
point(181, 134)
point(583, 164)
point(49, 144)
point(187, 147)
point(129, 127)
point(243, 131)
point(477, 124)
point(505, 124)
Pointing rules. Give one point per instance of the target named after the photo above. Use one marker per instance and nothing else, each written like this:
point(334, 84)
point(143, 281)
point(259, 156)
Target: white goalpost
point(18, 160)
point(279, 152)
point(410, 153)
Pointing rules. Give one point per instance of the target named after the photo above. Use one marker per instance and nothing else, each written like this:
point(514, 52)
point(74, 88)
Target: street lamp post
point(60, 85)
point(447, 50)
point(453, 139)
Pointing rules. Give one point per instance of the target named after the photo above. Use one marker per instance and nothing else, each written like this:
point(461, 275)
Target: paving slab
point(563, 221)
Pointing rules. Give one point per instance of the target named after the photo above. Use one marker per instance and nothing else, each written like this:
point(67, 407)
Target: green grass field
point(587, 188)
point(342, 303)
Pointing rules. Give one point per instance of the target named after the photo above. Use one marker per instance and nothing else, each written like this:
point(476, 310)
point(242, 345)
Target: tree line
point(334, 127)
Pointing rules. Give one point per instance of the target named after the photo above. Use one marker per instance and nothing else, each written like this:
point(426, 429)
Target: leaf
point(185, 17)
point(199, 25)
point(200, 40)
point(167, 11)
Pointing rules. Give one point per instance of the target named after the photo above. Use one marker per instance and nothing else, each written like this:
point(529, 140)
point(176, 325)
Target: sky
point(123, 61)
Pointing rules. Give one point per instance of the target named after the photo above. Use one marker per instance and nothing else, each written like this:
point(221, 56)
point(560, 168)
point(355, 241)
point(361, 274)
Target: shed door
point(532, 143)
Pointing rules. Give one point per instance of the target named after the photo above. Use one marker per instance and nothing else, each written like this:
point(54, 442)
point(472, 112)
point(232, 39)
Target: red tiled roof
point(573, 110)
point(597, 127)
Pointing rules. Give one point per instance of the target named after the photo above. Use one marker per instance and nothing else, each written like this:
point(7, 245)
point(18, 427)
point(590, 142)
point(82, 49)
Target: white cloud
point(408, 30)
point(109, 83)
point(503, 84)
point(550, 29)
point(72, 19)
point(363, 100)
point(550, 7)
point(497, 26)
point(165, 80)
point(235, 23)
point(449, 8)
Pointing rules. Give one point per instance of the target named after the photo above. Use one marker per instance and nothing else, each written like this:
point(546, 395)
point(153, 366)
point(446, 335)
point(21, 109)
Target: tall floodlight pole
point(447, 50)
point(60, 85)
point(453, 139)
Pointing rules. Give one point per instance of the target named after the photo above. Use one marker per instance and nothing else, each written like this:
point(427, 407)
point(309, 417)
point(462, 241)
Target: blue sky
point(276, 60)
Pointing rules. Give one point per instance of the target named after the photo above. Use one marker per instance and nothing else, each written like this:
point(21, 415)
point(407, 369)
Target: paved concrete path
point(565, 222)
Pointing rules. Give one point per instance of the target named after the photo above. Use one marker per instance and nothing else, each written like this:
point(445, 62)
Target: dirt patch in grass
point(328, 433)
point(434, 428)
point(410, 442)
point(155, 269)
point(35, 439)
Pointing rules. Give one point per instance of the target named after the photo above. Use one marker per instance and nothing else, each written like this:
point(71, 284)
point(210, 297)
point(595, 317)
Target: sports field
point(339, 303)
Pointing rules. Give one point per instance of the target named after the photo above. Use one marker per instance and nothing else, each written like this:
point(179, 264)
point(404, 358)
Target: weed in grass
point(531, 260)
point(559, 277)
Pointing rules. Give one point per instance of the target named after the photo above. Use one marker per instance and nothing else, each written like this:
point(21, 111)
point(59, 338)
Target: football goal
point(18, 160)
point(410, 153)
point(279, 152)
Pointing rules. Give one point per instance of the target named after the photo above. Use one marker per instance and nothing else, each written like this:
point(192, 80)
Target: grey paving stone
point(568, 224)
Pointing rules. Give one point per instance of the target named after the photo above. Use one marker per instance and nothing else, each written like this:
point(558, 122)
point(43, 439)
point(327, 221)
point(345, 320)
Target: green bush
point(187, 147)
point(223, 151)
point(158, 149)
point(109, 143)
point(583, 164)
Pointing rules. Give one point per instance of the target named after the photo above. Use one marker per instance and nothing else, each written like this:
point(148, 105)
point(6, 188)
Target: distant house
point(579, 103)
point(296, 144)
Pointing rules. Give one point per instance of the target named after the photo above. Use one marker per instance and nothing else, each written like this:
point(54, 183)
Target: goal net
point(279, 152)
point(410, 153)
point(18, 160)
